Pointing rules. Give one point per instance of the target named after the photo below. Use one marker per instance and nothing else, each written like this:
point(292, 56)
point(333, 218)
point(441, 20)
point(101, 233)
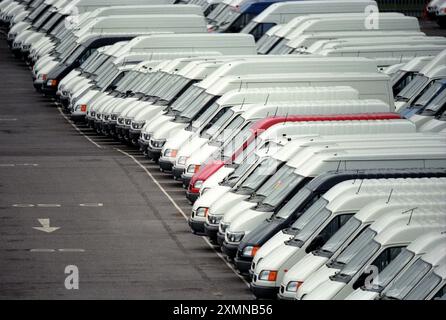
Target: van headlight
point(201, 212)
point(114, 116)
point(223, 226)
point(138, 125)
point(198, 184)
point(157, 143)
point(182, 160)
point(193, 168)
point(170, 153)
point(234, 237)
point(215, 220)
point(293, 286)
point(268, 275)
point(250, 251)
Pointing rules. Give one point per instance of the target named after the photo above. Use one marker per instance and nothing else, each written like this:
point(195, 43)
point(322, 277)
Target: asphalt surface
point(126, 238)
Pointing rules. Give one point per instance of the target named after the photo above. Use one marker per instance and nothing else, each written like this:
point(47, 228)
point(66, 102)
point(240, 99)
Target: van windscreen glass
point(311, 226)
point(281, 47)
point(422, 290)
point(191, 110)
point(408, 280)
point(268, 44)
point(213, 108)
point(294, 204)
point(278, 187)
point(218, 124)
point(232, 179)
point(412, 88)
point(434, 88)
point(353, 248)
point(216, 12)
point(339, 238)
point(265, 169)
point(436, 104)
point(392, 270)
point(308, 215)
point(179, 85)
point(187, 98)
point(228, 132)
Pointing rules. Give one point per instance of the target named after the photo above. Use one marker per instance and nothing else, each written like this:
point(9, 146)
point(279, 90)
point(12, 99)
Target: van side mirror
point(361, 280)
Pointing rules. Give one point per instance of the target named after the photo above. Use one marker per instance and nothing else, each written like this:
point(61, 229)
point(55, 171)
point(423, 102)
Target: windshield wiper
point(401, 98)
point(341, 277)
point(264, 207)
point(336, 264)
point(323, 253)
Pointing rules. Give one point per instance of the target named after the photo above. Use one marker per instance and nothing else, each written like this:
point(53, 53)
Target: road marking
point(71, 250)
point(45, 226)
point(182, 213)
point(18, 165)
point(91, 205)
point(75, 127)
point(49, 205)
point(11, 119)
point(23, 205)
point(42, 250)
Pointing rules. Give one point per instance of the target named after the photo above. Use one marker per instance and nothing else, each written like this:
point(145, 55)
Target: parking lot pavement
point(124, 235)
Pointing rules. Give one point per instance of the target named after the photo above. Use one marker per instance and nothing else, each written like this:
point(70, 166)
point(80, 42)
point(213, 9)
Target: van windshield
point(51, 22)
point(227, 134)
point(409, 279)
point(339, 238)
point(308, 215)
point(212, 109)
point(436, 104)
point(392, 270)
point(190, 97)
point(311, 227)
point(268, 44)
point(422, 290)
point(412, 88)
point(277, 188)
point(179, 85)
point(232, 179)
point(216, 12)
point(69, 59)
point(353, 248)
point(282, 47)
point(218, 124)
point(435, 87)
point(400, 80)
point(265, 169)
point(193, 109)
point(257, 30)
point(294, 204)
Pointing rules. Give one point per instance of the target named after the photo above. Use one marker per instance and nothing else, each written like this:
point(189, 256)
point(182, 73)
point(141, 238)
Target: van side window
point(261, 29)
point(330, 229)
point(441, 294)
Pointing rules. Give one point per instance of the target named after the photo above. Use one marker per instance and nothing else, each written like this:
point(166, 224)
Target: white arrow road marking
point(46, 226)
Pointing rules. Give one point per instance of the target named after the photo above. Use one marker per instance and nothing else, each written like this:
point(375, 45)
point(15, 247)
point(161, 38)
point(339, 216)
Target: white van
point(369, 85)
point(219, 200)
point(302, 272)
point(283, 12)
point(419, 248)
point(299, 26)
point(382, 248)
point(236, 101)
point(407, 72)
point(320, 221)
point(246, 220)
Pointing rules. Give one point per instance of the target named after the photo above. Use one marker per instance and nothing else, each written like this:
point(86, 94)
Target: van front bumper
point(197, 227)
point(264, 292)
point(220, 238)
point(243, 264)
point(165, 164)
point(154, 153)
point(229, 249)
point(177, 172)
point(211, 231)
point(192, 196)
point(134, 136)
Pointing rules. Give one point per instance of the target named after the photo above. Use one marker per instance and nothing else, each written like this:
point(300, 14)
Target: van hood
point(120, 105)
point(191, 146)
point(209, 197)
point(315, 279)
point(434, 125)
point(157, 123)
point(179, 139)
point(32, 38)
point(247, 220)
point(85, 99)
point(360, 294)
point(148, 112)
point(325, 291)
point(276, 258)
point(199, 157)
point(217, 177)
point(224, 203)
point(133, 109)
point(48, 66)
point(235, 211)
point(168, 130)
point(278, 239)
point(306, 267)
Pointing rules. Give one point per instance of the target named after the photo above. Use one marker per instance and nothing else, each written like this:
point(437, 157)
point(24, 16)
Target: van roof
point(439, 60)
point(256, 95)
point(244, 43)
point(429, 241)
point(294, 8)
point(329, 179)
point(147, 8)
point(395, 228)
point(416, 64)
point(288, 64)
point(302, 107)
point(438, 253)
point(429, 157)
point(403, 202)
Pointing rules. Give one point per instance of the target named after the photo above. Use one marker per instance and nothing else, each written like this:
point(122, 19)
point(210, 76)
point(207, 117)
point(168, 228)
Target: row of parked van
point(311, 143)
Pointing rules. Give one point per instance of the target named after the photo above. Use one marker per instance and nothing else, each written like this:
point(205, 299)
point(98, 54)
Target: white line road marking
point(57, 250)
point(42, 250)
point(23, 205)
point(7, 165)
point(75, 127)
point(49, 205)
point(18, 165)
point(71, 250)
point(45, 226)
point(182, 212)
point(6, 119)
point(91, 205)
